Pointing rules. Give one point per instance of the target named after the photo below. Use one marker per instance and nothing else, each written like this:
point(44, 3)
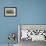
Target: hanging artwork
point(10, 11)
point(32, 32)
point(11, 37)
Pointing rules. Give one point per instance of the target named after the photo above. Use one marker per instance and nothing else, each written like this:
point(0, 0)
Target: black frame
point(10, 7)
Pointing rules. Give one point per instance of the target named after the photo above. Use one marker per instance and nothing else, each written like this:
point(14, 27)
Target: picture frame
point(40, 28)
point(10, 11)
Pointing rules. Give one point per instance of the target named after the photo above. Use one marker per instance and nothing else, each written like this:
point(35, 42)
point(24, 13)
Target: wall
point(28, 12)
point(33, 12)
point(8, 24)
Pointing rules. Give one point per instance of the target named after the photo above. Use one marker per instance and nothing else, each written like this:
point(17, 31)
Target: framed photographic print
point(10, 11)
